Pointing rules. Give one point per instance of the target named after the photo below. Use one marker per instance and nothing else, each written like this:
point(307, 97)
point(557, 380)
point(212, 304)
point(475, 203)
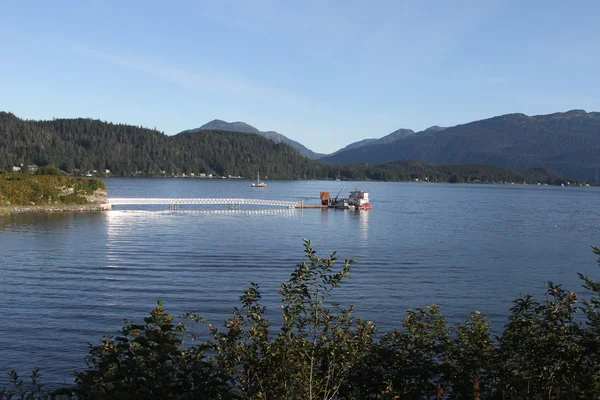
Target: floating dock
point(232, 202)
point(235, 203)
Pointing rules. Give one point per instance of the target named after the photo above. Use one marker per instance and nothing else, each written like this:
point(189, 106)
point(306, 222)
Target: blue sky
point(324, 73)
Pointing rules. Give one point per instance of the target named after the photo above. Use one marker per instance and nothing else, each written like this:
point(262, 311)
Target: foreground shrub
point(150, 361)
point(20, 389)
point(321, 351)
point(314, 351)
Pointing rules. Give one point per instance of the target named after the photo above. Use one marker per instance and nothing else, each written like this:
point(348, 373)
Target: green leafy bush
point(28, 390)
point(314, 351)
point(150, 361)
point(321, 351)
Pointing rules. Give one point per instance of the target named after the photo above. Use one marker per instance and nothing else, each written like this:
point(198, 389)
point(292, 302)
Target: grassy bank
point(49, 190)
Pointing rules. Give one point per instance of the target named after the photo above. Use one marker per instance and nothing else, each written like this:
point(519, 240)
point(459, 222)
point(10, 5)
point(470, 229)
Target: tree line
point(568, 143)
point(83, 146)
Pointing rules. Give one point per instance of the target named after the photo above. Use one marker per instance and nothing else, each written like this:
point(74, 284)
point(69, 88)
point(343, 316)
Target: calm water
point(69, 279)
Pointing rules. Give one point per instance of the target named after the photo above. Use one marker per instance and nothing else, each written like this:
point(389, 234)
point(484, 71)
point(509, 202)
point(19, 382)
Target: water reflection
point(324, 215)
point(43, 222)
point(364, 225)
point(361, 224)
point(79, 275)
point(126, 220)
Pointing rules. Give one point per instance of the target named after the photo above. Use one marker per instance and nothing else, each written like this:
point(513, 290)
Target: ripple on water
point(69, 279)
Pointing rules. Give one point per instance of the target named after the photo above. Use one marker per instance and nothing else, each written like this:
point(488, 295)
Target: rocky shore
point(53, 208)
point(53, 190)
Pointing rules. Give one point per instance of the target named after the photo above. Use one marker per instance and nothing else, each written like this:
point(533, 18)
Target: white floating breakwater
point(174, 202)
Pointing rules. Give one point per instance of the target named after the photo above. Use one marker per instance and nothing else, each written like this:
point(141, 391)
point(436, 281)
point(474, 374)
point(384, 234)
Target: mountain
point(355, 145)
point(82, 146)
point(432, 129)
point(398, 134)
point(219, 125)
point(568, 143)
point(392, 137)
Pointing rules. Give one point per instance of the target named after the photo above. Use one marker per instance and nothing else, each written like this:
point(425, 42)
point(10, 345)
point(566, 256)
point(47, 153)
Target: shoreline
point(11, 210)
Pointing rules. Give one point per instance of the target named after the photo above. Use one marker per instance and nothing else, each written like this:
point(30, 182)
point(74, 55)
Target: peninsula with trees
point(48, 190)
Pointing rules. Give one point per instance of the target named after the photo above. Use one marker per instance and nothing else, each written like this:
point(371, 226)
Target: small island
point(50, 190)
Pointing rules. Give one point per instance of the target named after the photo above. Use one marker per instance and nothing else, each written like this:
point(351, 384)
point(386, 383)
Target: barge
point(358, 200)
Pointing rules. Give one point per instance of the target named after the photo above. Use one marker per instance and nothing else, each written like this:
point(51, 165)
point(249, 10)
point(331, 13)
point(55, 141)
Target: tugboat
point(359, 199)
point(340, 204)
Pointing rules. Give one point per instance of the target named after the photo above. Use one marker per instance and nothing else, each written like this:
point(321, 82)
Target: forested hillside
point(81, 146)
point(219, 125)
point(568, 143)
point(87, 145)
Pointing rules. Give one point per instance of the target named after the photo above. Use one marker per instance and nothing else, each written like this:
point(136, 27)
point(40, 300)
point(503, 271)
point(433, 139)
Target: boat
point(359, 200)
point(258, 183)
point(341, 204)
point(337, 202)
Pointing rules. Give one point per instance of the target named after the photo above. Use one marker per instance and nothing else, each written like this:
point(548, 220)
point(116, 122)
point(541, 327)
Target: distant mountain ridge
point(220, 125)
point(243, 127)
point(397, 134)
point(568, 143)
point(83, 146)
point(433, 129)
point(392, 137)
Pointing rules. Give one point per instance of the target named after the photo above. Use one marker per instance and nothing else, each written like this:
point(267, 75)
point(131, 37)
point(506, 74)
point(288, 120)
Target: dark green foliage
point(150, 361)
point(592, 306)
point(470, 359)
point(24, 390)
point(568, 143)
point(3, 172)
point(591, 335)
point(321, 351)
point(219, 125)
point(541, 349)
point(84, 145)
point(316, 348)
point(415, 352)
point(413, 170)
point(81, 145)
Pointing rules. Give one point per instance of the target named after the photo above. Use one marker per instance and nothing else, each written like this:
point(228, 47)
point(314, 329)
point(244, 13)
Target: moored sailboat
point(258, 183)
